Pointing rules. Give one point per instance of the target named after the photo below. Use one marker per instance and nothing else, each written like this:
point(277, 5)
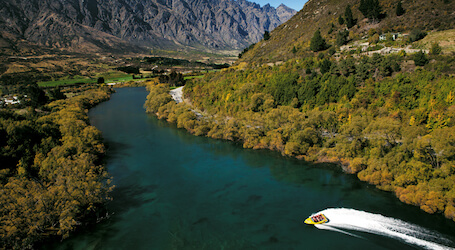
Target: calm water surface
point(177, 191)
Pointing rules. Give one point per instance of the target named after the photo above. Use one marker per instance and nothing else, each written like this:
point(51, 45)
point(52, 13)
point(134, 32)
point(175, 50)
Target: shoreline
point(227, 128)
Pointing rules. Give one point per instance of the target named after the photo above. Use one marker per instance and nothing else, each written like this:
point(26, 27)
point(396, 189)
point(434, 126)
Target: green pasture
point(108, 77)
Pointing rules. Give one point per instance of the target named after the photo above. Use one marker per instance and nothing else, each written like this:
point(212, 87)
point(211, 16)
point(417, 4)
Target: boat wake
point(348, 221)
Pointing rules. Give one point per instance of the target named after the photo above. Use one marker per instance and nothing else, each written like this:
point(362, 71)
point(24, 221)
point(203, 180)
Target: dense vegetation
point(394, 129)
point(51, 174)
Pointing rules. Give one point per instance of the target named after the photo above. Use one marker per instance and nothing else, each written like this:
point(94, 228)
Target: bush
point(435, 49)
point(416, 35)
point(325, 66)
point(420, 59)
point(342, 38)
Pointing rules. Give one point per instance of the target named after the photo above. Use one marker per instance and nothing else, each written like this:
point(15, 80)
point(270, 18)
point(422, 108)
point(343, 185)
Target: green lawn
point(108, 77)
point(66, 82)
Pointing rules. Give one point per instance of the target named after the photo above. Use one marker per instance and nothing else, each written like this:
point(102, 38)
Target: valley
point(349, 103)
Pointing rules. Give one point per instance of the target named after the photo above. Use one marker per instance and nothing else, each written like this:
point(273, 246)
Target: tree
point(129, 69)
point(416, 35)
point(56, 94)
point(294, 50)
point(317, 42)
point(420, 59)
point(266, 35)
point(340, 20)
point(371, 9)
point(350, 21)
point(342, 38)
point(435, 49)
point(325, 66)
point(400, 11)
point(100, 80)
point(35, 94)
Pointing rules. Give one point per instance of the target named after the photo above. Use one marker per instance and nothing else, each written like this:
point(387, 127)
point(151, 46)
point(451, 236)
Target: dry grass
point(445, 39)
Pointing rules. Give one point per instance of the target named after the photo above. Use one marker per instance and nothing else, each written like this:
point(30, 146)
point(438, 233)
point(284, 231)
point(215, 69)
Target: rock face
point(128, 25)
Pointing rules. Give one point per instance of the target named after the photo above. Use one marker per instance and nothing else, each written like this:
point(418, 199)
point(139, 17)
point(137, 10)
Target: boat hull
point(316, 219)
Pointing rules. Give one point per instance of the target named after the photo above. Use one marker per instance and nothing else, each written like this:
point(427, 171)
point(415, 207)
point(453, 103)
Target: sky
point(295, 4)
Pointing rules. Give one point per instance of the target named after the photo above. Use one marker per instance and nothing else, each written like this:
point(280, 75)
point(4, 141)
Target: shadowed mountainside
point(131, 25)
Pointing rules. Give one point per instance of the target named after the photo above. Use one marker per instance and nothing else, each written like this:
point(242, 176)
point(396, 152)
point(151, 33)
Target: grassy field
point(108, 77)
point(62, 82)
point(445, 39)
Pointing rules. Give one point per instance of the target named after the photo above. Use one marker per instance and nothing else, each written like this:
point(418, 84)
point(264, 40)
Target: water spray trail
point(325, 227)
point(342, 219)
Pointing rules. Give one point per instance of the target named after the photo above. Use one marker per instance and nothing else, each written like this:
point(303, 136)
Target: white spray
point(342, 219)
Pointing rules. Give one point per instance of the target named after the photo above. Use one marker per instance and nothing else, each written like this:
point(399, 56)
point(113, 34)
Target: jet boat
point(316, 219)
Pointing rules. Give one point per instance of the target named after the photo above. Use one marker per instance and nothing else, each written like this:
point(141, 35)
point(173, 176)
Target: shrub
point(435, 49)
point(420, 59)
point(416, 35)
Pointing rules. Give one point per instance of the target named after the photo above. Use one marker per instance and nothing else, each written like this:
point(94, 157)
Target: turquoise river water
point(178, 191)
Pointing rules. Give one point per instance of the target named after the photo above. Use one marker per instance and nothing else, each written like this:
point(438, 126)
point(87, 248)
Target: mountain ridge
point(132, 25)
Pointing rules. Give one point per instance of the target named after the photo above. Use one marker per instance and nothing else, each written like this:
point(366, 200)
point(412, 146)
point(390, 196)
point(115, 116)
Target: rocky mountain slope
point(129, 25)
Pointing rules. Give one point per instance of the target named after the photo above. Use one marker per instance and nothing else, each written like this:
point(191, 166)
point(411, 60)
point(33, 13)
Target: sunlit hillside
point(297, 32)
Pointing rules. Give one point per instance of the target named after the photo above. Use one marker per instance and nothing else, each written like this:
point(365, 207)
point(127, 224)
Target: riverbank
point(217, 195)
point(60, 182)
point(285, 129)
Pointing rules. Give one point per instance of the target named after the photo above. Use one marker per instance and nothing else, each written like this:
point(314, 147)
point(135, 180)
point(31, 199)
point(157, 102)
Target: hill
point(132, 26)
point(324, 14)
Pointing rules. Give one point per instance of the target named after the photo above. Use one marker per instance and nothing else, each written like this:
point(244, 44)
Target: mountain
point(296, 33)
point(132, 25)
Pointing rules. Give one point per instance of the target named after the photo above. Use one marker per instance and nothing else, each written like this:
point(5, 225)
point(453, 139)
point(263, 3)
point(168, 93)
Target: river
point(178, 191)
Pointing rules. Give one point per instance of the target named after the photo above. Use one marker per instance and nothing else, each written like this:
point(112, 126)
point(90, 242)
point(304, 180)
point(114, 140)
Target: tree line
point(52, 176)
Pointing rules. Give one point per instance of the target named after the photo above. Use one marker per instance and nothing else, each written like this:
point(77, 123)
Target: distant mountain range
point(133, 25)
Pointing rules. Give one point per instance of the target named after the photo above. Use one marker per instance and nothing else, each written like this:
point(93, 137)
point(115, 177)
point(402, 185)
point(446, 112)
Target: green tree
point(399, 10)
point(294, 50)
point(350, 21)
point(416, 35)
point(371, 9)
point(340, 20)
point(325, 66)
point(420, 59)
point(435, 49)
point(342, 38)
point(56, 94)
point(317, 42)
point(35, 94)
point(266, 35)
